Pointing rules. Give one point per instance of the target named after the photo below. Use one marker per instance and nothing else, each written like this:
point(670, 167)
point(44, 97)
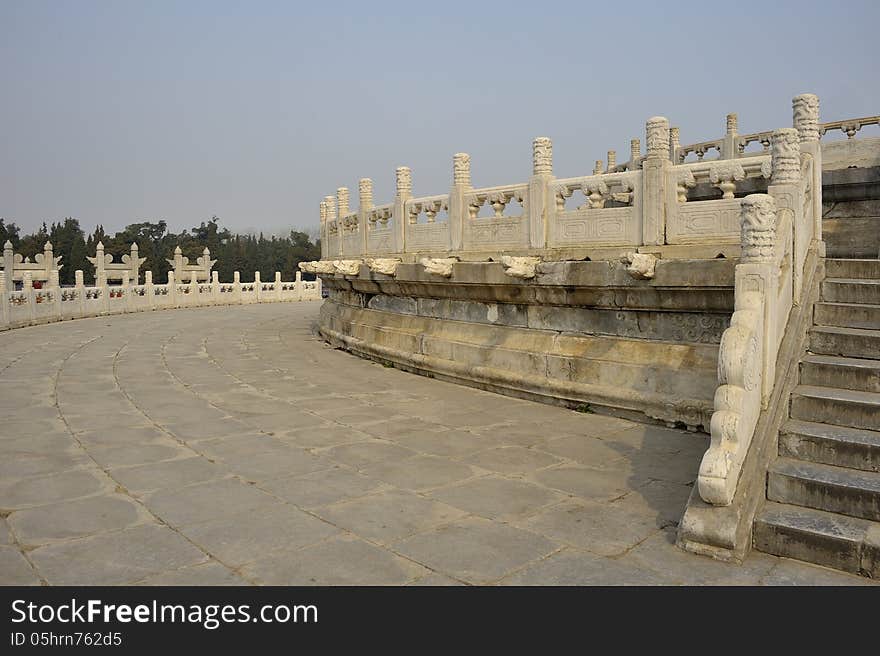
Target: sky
point(115, 112)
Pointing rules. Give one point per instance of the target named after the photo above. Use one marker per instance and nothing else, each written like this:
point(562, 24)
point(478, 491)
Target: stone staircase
point(823, 490)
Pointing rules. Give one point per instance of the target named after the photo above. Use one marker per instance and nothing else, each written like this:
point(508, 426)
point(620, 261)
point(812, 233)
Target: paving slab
point(234, 447)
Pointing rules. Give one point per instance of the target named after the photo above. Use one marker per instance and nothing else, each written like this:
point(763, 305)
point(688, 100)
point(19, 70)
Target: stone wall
point(583, 334)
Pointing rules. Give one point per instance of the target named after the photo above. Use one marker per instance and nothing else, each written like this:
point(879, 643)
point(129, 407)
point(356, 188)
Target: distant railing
point(671, 195)
point(29, 306)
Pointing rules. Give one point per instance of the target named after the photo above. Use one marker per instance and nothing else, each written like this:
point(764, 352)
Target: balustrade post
point(343, 209)
point(655, 170)
point(365, 204)
point(323, 233)
point(27, 286)
point(80, 292)
point(461, 184)
point(728, 144)
point(172, 290)
point(215, 287)
point(785, 184)
point(277, 285)
point(236, 286)
point(126, 293)
point(54, 289)
point(298, 286)
point(334, 224)
point(635, 154)
point(4, 301)
point(403, 176)
point(542, 204)
point(674, 145)
point(805, 110)
point(258, 285)
point(149, 290)
point(8, 266)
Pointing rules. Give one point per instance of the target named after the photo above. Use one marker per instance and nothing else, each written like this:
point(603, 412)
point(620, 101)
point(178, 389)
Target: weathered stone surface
point(117, 558)
point(225, 375)
point(476, 550)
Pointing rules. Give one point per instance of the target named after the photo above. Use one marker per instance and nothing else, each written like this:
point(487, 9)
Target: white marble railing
point(661, 197)
point(29, 306)
point(778, 231)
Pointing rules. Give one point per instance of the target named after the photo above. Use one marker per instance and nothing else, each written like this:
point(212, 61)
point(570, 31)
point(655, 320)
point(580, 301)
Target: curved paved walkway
point(230, 446)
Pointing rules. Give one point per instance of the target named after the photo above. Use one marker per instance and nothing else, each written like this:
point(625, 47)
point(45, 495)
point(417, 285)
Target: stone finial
point(330, 206)
point(758, 227)
point(404, 181)
point(100, 247)
point(236, 277)
point(674, 138)
point(256, 277)
point(635, 150)
point(342, 200)
point(542, 156)
point(520, 267)
point(177, 250)
point(732, 120)
point(599, 167)
point(134, 247)
point(323, 212)
point(612, 159)
point(785, 157)
point(277, 277)
point(47, 247)
point(640, 266)
point(657, 137)
point(148, 277)
point(7, 246)
point(215, 277)
point(805, 109)
point(365, 193)
point(461, 170)
point(206, 252)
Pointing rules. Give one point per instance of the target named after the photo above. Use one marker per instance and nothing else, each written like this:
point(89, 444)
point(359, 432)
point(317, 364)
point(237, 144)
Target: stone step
point(839, 446)
point(845, 373)
point(847, 315)
point(851, 290)
point(829, 405)
point(824, 487)
point(849, 342)
point(829, 539)
point(851, 268)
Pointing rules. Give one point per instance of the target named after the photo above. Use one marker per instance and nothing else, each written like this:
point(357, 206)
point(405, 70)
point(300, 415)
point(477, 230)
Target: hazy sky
point(115, 112)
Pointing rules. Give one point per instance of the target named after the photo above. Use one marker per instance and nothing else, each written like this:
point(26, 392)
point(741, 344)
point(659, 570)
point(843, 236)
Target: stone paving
point(231, 446)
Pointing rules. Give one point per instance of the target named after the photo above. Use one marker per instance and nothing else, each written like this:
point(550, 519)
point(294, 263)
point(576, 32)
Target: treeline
point(233, 252)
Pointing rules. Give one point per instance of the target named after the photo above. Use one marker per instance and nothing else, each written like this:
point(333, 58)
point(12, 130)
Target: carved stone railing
point(29, 306)
point(654, 199)
point(777, 231)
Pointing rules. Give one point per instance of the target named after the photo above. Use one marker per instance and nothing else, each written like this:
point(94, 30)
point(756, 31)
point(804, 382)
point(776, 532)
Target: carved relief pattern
point(542, 156)
point(404, 181)
point(806, 116)
point(758, 226)
point(785, 154)
point(657, 133)
point(461, 169)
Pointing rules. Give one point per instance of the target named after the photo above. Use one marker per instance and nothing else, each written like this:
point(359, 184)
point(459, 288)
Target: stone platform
point(230, 445)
